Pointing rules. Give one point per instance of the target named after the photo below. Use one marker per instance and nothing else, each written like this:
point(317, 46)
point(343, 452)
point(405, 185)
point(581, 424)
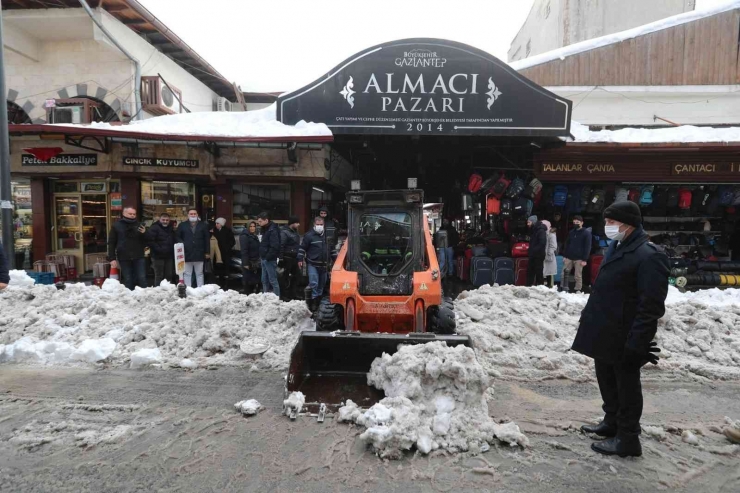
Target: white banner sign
point(180, 259)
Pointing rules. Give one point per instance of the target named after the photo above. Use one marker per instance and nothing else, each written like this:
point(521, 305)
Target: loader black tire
point(441, 320)
point(329, 316)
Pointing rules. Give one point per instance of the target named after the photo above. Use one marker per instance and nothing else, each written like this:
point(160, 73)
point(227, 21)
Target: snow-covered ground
point(85, 324)
point(518, 333)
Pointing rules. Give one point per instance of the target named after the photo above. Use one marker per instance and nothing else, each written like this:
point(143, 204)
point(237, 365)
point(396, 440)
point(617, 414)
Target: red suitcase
point(594, 266)
point(463, 268)
point(520, 271)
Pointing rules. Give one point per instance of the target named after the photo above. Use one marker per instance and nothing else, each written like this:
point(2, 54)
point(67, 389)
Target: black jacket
point(161, 241)
point(626, 302)
point(4, 275)
point(538, 241)
point(197, 243)
point(124, 241)
point(314, 249)
point(289, 242)
point(249, 245)
point(226, 241)
point(578, 244)
point(453, 237)
point(270, 244)
point(330, 231)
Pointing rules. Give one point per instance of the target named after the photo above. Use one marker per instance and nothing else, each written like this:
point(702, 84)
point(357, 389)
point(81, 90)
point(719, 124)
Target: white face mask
point(192, 219)
point(613, 233)
point(319, 228)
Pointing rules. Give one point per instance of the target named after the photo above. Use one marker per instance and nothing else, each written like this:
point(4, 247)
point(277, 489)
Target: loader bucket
point(331, 367)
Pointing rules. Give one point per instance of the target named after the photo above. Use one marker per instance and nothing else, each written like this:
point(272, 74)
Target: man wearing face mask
point(126, 243)
point(316, 254)
point(575, 254)
point(196, 239)
point(619, 323)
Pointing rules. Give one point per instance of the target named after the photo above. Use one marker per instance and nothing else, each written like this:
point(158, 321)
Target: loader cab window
point(385, 242)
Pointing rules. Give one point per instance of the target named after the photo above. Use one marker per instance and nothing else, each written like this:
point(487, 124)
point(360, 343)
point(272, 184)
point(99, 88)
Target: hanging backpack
point(726, 195)
point(574, 199)
point(622, 195)
point(506, 208)
point(493, 205)
point(520, 249)
point(515, 188)
point(684, 198)
point(538, 198)
point(475, 182)
point(586, 192)
point(659, 207)
point(736, 197)
point(646, 195)
point(672, 201)
point(531, 190)
point(598, 199)
point(523, 207)
point(488, 183)
point(714, 200)
point(559, 195)
point(499, 187)
point(634, 195)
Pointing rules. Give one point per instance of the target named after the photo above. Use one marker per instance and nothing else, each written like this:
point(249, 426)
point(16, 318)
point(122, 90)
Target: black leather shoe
point(602, 429)
point(622, 445)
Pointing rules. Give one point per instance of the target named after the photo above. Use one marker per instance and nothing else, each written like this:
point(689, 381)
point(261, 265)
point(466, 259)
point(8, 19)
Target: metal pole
point(6, 199)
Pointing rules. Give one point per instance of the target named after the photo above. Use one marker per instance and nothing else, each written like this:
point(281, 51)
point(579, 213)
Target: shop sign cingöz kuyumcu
point(160, 162)
point(428, 87)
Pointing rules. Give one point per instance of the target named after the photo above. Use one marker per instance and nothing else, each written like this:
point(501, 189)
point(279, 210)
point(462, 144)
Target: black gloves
point(640, 358)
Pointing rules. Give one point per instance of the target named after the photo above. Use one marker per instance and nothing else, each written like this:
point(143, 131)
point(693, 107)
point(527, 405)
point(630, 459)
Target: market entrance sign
point(427, 87)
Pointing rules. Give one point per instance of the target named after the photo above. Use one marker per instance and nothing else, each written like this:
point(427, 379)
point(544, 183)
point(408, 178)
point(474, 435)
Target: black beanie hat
point(293, 220)
point(624, 211)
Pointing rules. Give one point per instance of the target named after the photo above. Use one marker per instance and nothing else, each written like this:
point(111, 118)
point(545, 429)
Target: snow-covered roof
point(682, 134)
point(258, 125)
point(591, 44)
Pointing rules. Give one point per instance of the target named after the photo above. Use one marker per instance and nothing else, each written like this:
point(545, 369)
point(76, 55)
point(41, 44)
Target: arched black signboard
point(427, 87)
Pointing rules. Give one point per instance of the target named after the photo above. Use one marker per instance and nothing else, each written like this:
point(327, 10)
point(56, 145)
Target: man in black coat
point(619, 323)
point(289, 242)
point(4, 274)
point(196, 239)
point(315, 253)
point(537, 252)
point(226, 242)
point(269, 253)
point(161, 241)
point(249, 244)
point(126, 243)
point(576, 253)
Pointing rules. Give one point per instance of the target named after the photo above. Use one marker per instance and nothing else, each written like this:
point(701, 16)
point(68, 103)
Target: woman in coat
point(550, 269)
point(249, 244)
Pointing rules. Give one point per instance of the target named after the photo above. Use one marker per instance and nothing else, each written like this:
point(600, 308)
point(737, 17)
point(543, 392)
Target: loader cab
point(385, 248)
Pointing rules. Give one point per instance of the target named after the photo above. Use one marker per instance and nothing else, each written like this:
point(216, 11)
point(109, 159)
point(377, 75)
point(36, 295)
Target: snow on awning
point(248, 126)
point(592, 44)
point(683, 134)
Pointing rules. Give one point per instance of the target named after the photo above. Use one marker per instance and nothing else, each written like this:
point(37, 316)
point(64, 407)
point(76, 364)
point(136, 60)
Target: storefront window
point(250, 200)
point(66, 186)
point(172, 197)
point(22, 221)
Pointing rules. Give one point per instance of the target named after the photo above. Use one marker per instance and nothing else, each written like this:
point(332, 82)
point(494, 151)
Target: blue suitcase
point(503, 271)
point(560, 261)
point(481, 271)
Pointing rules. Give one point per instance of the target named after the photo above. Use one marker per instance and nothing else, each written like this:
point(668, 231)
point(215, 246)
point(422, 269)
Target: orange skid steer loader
point(385, 290)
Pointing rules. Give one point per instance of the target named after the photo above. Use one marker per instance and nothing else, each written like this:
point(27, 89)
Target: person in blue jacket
point(575, 254)
point(4, 274)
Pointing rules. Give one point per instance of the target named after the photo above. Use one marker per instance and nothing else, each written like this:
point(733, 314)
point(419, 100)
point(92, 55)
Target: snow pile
point(526, 333)
point(258, 123)
point(683, 133)
point(248, 407)
point(592, 44)
point(43, 325)
point(19, 279)
point(435, 399)
point(295, 401)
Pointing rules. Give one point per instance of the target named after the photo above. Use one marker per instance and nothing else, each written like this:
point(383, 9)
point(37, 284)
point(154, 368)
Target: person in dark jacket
point(126, 243)
point(314, 251)
point(330, 228)
point(290, 240)
point(161, 242)
point(249, 244)
point(453, 238)
point(619, 323)
point(226, 242)
point(537, 252)
point(575, 254)
point(269, 253)
point(196, 239)
point(4, 273)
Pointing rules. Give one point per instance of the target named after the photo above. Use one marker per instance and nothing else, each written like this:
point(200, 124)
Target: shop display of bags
point(621, 194)
point(475, 182)
point(684, 198)
point(523, 206)
point(493, 205)
point(503, 271)
point(520, 271)
point(646, 195)
point(515, 188)
point(500, 187)
point(559, 196)
point(507, 208)
point(598, 199)
point(481, 271)
point(534, 188)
